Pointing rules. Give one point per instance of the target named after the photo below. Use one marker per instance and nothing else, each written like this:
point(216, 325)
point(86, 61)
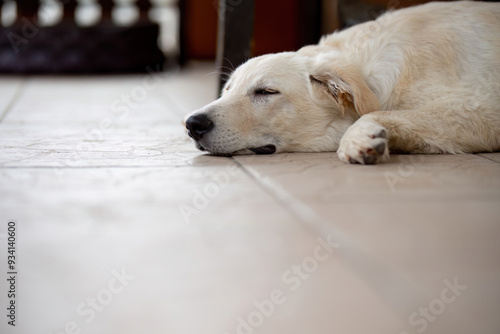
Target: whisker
point(229, 63)
point(225, 68)
point(219, 73)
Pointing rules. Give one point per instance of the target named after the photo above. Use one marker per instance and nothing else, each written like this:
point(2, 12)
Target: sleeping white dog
point(421, 80)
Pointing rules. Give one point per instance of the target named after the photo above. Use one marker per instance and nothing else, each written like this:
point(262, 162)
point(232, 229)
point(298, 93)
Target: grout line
point(300, 210)
point(357, 259)
point(480, 155)
point(13, 100)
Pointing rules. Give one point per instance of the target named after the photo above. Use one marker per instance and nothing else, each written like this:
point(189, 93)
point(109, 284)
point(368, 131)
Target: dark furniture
point(26, 47)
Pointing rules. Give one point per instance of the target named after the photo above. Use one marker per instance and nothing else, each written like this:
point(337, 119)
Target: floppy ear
point(350, 91)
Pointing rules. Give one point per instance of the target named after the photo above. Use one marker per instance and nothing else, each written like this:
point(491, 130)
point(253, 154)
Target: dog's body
point(421, 80)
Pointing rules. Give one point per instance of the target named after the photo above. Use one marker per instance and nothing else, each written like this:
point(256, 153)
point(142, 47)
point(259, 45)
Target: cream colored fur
point(422, 80)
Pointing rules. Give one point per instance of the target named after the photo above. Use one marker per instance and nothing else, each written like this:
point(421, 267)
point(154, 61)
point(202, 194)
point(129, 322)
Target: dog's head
point(288, 102)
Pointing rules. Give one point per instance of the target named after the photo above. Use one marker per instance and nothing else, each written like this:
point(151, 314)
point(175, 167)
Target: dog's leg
point(440, 130)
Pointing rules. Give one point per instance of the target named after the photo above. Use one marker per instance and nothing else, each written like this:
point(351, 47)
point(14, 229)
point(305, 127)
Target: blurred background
point(102, 36)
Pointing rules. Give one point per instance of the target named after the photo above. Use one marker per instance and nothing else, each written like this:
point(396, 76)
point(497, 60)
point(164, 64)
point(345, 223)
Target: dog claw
point(380, 148)
point(382, 134)
point(351, 160)
point(369, 159)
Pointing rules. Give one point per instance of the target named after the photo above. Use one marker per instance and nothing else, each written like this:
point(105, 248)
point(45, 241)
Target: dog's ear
point(350, 91)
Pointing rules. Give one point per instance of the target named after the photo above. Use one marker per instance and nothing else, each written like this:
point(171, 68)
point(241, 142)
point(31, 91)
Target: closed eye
point(266, 91)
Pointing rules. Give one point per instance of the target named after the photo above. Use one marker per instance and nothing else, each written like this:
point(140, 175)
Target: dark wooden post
point(309, 21)
point(182, 32)
point(106, 9)
point(144, 7)
point(1, 6)
point(27, 9)
point(69, 7)
point(235, 35)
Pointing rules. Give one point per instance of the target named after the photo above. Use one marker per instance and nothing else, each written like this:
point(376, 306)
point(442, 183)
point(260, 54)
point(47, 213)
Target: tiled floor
point(123, 227)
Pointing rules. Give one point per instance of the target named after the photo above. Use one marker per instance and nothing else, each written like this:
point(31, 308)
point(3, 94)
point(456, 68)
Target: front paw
point(364, 143)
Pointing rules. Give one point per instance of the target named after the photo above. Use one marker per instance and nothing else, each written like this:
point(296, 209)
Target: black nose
point(198, 125)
